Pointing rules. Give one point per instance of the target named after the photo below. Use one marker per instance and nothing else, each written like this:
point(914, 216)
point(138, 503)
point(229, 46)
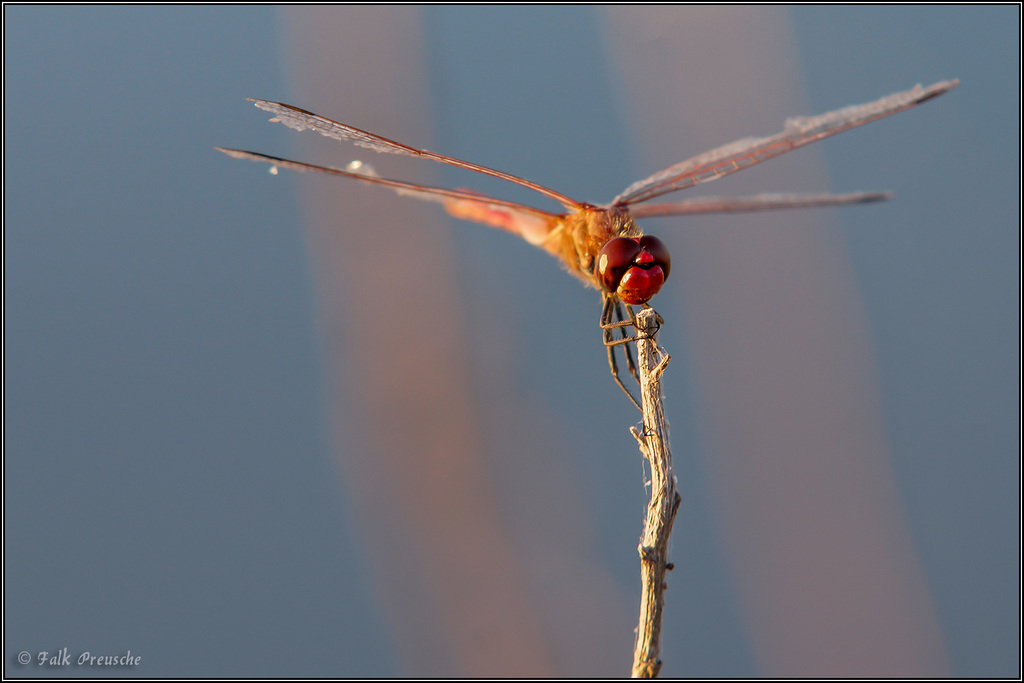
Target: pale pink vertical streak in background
point(409, 442)
point(829, 580)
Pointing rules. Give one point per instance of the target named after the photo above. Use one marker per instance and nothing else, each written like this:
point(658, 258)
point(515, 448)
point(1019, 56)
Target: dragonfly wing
point(758, 202)
point(530, 223)
point(798, 132)
point(300, 119)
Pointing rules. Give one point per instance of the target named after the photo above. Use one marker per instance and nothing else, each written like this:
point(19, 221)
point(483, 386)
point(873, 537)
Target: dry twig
point(661, 510)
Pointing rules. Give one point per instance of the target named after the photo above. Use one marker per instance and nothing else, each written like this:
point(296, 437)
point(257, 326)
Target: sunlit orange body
point(574, 237)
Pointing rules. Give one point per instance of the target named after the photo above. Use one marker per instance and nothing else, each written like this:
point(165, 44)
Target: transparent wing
point(530, 223)
point(797, 133)
point(300, 119)
point(757, 202)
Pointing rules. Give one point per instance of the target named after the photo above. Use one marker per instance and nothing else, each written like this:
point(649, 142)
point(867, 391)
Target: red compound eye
point(659, 250)
point(635, 269)
point(614, 260)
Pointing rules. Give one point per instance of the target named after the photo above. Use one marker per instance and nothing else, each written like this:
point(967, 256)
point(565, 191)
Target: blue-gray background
point(169, 483)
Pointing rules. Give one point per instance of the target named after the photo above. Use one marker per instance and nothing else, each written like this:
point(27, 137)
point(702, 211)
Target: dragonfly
point(602, 245)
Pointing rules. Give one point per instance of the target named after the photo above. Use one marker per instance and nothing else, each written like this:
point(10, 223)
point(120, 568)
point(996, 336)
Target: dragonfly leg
point(618, 316)
point(613, 318)
point(618, 380)
point(627, 349)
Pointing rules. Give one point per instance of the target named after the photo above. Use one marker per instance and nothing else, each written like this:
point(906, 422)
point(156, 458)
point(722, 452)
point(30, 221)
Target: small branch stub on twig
point(661, 510)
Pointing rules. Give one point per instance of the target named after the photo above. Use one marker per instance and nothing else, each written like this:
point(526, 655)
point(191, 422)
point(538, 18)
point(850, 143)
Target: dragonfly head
point(633, 268)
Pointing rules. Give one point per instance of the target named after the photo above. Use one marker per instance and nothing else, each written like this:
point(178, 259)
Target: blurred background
point(282, 425)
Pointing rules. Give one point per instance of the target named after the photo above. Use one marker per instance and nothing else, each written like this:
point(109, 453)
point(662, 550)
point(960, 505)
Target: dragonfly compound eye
point(615, 258)
point(658, 250)
point(633, 268)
